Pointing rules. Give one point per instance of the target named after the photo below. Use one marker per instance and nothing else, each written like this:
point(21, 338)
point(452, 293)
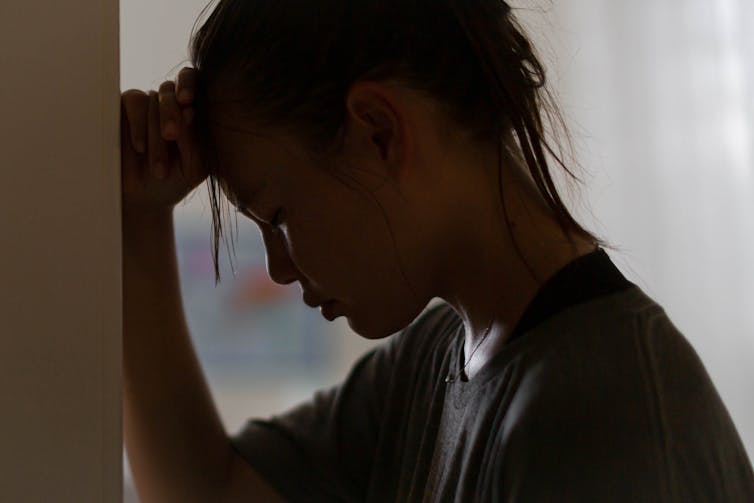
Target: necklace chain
point(451, 378)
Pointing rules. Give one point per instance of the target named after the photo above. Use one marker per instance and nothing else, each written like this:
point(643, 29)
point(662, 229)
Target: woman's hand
point(160, 162)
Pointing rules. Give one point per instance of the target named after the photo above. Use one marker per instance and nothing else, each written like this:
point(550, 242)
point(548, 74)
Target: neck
point(489, 279)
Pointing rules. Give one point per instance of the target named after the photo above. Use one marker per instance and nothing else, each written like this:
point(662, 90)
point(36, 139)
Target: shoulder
point(619, 349)
point(614, 398)
point(595, 374)
point(625, 328)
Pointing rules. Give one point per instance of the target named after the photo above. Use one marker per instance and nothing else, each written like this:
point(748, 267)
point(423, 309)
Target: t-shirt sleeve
point(322, 449)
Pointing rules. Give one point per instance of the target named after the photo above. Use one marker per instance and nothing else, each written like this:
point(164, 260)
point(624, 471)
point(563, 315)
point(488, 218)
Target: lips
point(309, 301)
point(327, 310)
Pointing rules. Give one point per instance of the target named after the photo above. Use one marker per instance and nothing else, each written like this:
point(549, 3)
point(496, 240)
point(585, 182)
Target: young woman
point(391, 152)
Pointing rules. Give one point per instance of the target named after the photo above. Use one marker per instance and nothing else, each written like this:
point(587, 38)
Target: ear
point(377, 123)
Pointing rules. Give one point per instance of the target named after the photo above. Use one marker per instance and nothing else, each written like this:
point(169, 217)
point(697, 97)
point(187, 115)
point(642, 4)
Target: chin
point(385, 328)
point(365, 332)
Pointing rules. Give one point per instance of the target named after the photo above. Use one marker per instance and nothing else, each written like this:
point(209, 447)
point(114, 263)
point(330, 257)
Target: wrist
point(140, 216)
point(141, 227)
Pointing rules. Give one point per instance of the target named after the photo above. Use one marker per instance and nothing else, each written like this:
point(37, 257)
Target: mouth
point(313, 303)
point(328, 310)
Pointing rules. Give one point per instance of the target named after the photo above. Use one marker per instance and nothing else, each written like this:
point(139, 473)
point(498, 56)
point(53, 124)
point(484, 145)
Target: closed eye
point(242, 211)
point(273, 223)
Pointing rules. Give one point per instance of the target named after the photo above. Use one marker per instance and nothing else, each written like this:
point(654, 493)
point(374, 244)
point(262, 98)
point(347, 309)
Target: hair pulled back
point(295, 61)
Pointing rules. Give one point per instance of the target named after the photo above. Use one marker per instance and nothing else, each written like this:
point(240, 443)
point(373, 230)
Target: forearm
point(177, 447)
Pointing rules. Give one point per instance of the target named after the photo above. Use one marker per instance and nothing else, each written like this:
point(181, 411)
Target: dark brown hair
point(294, 62)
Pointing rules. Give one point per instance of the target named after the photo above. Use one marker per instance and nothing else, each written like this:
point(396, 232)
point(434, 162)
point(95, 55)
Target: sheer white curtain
point(660, 95)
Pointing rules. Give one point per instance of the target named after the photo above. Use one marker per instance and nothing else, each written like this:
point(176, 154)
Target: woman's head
point(361, 118)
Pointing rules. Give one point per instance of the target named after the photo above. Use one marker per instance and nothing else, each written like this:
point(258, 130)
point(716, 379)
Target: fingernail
point(188, 116)
point(186, 95)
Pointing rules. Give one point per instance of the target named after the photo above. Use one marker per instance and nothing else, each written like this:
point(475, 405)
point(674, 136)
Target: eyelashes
point(242, 211)
point(274, 222)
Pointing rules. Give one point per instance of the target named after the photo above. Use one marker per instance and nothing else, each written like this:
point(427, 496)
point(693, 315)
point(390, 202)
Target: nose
point(280, 267)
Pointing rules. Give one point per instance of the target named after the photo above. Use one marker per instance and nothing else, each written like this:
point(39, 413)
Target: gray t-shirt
point(603, 401)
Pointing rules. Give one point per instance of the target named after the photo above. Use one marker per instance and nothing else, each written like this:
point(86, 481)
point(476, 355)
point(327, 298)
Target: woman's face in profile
point(337, 233)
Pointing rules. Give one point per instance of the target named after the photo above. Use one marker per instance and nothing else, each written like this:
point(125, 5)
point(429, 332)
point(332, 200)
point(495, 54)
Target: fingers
point(156, 145)
point(130, 163)
point(188, 151)
point(156, 121)
point(170, 113)
point(186, 92)
point(186, 85)
point(135, 103)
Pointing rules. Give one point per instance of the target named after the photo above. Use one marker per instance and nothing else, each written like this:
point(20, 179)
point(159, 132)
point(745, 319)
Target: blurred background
point(659, 96)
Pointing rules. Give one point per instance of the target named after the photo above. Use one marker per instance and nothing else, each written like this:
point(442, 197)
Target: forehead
point(243, 164)
point(248, 160)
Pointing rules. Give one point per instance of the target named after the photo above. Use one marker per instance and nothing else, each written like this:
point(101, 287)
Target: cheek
point(346, 248)
point(343, 236)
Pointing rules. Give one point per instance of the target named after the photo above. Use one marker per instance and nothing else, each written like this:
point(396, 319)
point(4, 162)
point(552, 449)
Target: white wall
point(60, 306)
